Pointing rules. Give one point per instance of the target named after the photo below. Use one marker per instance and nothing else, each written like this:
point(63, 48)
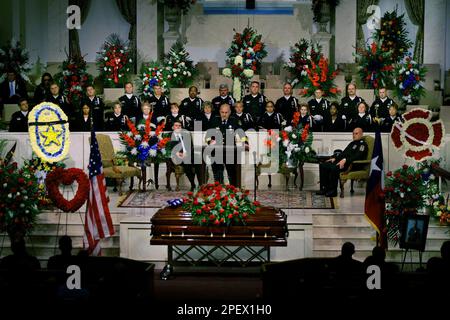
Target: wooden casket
point(173, 226)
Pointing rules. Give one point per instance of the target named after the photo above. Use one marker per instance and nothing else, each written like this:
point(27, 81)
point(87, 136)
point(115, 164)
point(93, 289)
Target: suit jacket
point(131, 107)
point(287, 107)
point(20, 92)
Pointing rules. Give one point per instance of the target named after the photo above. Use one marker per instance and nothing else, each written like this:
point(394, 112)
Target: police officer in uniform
point(225, 123)
point(59, 99)
point(330, 170)
point(160, 103)
point(287, 104)
point(96, 106)
point(349, 103)
point(363, 119)
point(207, 116)
point(116, 121)
point(380, 107)
point(131, 105)
point(223, 97)
point(191, 106)
point(271, 119)
point(19, 119)
point(388, 122)
point(255, 102)
point(319, 109)
point(245, 120)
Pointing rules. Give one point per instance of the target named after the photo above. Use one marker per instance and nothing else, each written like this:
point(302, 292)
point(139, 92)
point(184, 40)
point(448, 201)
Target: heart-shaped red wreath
point(67, 177)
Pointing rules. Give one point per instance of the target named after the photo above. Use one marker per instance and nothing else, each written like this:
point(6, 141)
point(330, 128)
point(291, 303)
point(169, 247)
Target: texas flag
point(374, 205)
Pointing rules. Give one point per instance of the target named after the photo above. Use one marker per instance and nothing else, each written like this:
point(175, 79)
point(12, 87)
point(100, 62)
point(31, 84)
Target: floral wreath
point(417, 134)
point(67, 177)
point(48, 128)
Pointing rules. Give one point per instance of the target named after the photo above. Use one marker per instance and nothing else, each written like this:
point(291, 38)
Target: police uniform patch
point(361, 148)
point(354, 147)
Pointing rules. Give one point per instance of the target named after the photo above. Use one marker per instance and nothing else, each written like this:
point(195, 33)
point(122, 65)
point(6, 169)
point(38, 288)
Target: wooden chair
point(359, 169)
point(110, 167)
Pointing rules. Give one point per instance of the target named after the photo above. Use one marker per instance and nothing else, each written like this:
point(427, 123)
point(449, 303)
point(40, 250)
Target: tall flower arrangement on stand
point(249, 46)
point(114, 61)
point(142, 142)
point(375, 66)
point(239, 75)
point(14, 56)
point(73, 79)
point(303, 53)
point(320, 75)
point(179, 67)
point(151, 74)
point(408, 78)
point(393, 36)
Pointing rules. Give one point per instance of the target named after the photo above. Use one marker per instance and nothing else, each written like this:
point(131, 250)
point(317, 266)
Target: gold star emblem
point(51, 136)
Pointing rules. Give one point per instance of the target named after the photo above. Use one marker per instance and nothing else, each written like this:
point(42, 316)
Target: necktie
point(12, 89)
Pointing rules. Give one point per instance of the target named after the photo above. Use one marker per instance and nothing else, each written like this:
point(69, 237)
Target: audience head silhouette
point(65, 245)
point(379, 254)
point(348, 249)
point(445, 251)
point(18, 247)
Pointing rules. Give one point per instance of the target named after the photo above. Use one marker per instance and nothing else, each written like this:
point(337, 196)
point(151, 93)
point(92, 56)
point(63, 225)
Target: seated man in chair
point(329, 170)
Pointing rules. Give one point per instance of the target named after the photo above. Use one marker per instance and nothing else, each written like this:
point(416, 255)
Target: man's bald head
point(357, 133)
point(225, 111)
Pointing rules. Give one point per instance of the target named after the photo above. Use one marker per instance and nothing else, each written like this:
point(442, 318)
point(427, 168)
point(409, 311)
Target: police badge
point(48, 128)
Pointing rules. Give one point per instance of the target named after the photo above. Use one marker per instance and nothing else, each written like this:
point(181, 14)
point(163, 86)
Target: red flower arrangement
point(216, 204)
point(114, 61)
point(417, 136)
point(141, 142)
point(73, 79)
point(247, 44)
point(320, 75)
point(375, 66)
point(67, 177)
point(19, 199)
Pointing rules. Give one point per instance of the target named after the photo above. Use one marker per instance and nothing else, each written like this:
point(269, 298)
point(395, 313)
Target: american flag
point(98, 223)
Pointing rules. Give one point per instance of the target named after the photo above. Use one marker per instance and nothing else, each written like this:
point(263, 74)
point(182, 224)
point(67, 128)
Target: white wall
point(103, 19)
point(57, 33)
point(36, 26)
point(209, 36)
point(146, 32)
point(434, 47)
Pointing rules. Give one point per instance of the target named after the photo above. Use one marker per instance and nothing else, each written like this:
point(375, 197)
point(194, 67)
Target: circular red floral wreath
point(67, 177)
point(417, 134)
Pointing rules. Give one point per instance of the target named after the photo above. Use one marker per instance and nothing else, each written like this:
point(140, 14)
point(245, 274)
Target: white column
point(146, 32)
point(57, 32)
point(345, 31)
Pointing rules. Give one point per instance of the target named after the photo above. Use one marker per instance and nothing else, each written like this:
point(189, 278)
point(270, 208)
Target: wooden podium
point(242, 245)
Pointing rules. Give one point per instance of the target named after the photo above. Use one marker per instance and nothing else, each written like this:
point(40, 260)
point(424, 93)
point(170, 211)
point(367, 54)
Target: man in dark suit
point(19, 119)
point(159, 102)
point(330, 170)
point(226, 126)
point(349, 103)
point(192, 106)
point(12, 89)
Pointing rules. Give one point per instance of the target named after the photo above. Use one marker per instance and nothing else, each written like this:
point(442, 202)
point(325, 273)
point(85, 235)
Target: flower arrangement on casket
point(73, 79)
point(405, 192)
point(220, 205)
point(408, 78)
point(41, 169)
point(19, 198)
point(152, 73)
point(114, 61)
point(320, 75)
point(179, 67)
point(142, 143)
point(375, 66)
point(295, 143)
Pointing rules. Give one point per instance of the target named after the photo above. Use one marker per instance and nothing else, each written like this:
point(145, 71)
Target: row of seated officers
point(255, 111)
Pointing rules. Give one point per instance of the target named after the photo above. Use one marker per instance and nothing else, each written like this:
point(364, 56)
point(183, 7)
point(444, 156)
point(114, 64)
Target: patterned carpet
point(292, 199)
